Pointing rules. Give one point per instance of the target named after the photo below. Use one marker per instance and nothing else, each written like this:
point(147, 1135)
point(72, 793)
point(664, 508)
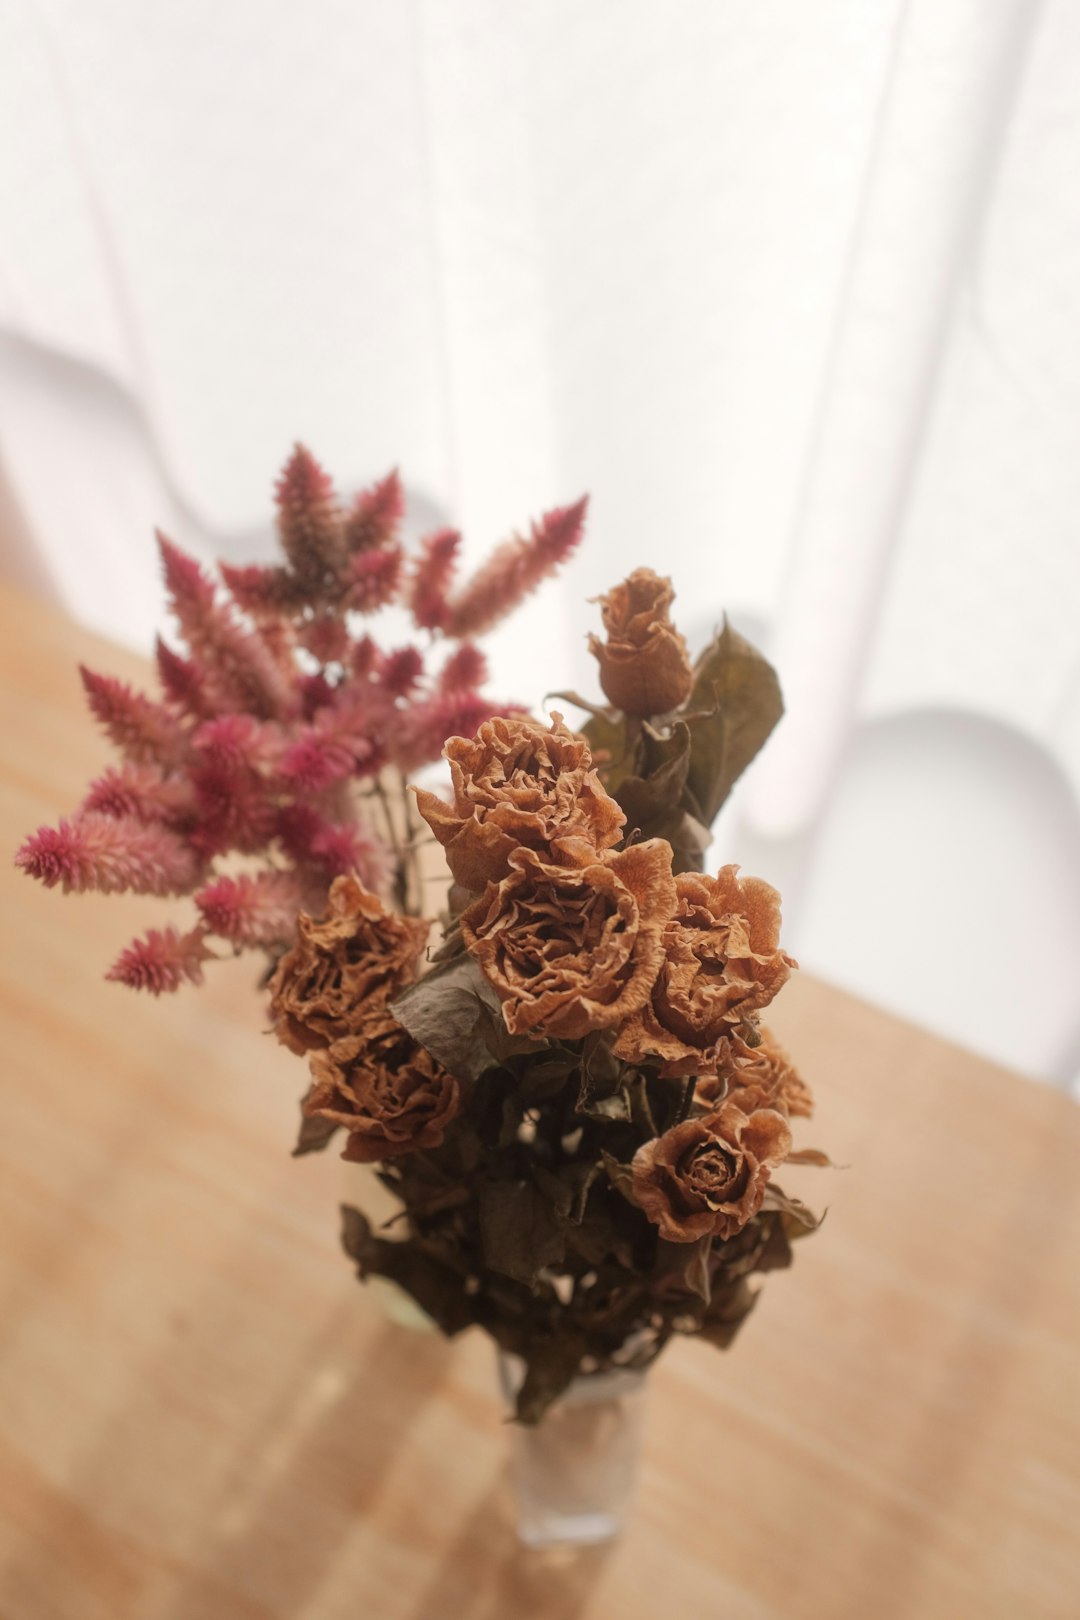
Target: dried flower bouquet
point(570, 1091)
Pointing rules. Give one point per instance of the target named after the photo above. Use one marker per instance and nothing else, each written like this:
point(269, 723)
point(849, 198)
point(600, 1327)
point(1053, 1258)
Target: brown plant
point(709, 1174)
point(518, 784)
point(574, 949)
point(353, 959)
point(391, 1095)
point(644, 664)
point(721, 963)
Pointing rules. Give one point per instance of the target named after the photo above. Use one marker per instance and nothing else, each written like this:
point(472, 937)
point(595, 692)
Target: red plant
point(275, 721)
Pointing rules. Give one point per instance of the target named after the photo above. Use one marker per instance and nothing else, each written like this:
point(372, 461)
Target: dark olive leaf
point(435, 1287)
point(519, 1229)
point(727, 1312)
point(567, 1187)
point(684, 1267)
point(314, 1134)
point(797, 1219)
point(621, 1177)
point(733, 706)
point(456, 1015)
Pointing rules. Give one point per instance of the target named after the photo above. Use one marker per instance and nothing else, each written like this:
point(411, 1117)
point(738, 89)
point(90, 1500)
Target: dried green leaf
point(436, 1288)
point(520, 1231)
point(798, 1220)
point(728, 1310)
point(456, 1015)
point(733, 706)
point(314, 1134)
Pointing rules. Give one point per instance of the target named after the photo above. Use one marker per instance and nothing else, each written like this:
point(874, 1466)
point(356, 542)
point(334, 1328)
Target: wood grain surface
point(203, 1417)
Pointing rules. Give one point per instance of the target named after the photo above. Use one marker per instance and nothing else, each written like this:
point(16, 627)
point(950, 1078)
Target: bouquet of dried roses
point(571, 1095)
point(572, 1098)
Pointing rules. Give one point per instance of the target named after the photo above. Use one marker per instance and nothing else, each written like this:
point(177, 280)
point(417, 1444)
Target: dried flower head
point(761, 1076)
point(709, 1174)
point(518, 785)
point(722, 962)
point(342, 967)
point(644, 664)
point(384, 1089)
point(571, 949)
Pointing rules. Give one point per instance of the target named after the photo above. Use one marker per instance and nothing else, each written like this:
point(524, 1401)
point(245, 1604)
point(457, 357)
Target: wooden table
point(203, 1417)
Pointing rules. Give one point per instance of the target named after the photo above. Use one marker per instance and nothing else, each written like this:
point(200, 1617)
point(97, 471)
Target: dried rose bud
point(708, 1175)
point(722, 963)
point(644, 664)
point(518, 784)
point(384, 1089)
point(573, 949)
point(357, 957)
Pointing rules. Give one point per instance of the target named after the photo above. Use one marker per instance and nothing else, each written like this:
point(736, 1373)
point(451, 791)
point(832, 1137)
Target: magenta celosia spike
point(110, 854)
point(180, 680)
point(365, 658)
point(313, 762)
point(401, 671)
point(376, 514)
point(514, 569)
point(142, 791)
point(326, 638)
point(260, 590)
point(161, 961)
point(464, 670)
point(253, 908)
point(341, 848)
point(431, 578)
point(235, 664)
point(239, 740)
point(144, 731)
point(374, 579)
point(314, 692)
point(310, 524)
point(425, 727)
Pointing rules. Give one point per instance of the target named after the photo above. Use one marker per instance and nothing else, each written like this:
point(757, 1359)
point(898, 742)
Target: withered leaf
point(436, 1288)
point(797, 1219)
point(455, 1014)
point(314, 1134)
point(727, 1312)
point(520, 1231)
point(685, 1265)
point(733, 706)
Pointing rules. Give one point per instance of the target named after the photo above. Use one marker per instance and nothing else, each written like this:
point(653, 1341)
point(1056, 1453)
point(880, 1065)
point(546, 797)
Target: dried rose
point(721, 963)
point(518, 784)
point(358, 956)
point(708, 1175)
point(761, 1076)
point(573, 949)
point(644, 664)
point(385, 1089)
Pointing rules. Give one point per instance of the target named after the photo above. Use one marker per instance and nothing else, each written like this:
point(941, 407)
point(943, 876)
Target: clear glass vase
point(574, 1473)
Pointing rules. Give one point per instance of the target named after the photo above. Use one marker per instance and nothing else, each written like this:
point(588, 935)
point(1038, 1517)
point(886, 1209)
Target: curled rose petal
point(384, 1089)
point(644, 665)
point(722, 963)
point(761, 1076)
point(518, 784)
point(709, 1174)
point(355, 958)
point(573, 949)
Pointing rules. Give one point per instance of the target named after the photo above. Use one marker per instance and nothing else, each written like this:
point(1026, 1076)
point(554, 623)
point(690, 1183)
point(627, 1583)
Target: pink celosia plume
point(162, 960)
point(110, 854)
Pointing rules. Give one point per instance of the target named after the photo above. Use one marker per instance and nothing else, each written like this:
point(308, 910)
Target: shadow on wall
point(943, 883)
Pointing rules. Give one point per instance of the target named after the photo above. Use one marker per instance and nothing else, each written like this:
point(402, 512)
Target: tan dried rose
point(355, 958)
point(385, 1089)
point(762, 1076)
point(644, 664)
point(573, 949)
point(709, 1174)
point(722, 963)
point(518, 784)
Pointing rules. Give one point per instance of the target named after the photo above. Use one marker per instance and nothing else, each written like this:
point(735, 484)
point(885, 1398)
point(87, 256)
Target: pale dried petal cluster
point(761, 1076)
point(571, 949)
point(644, 665)
point(721, 964)
point(518, 786)
point(342, 967)
point(709, 1174)
point(384, 1089)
